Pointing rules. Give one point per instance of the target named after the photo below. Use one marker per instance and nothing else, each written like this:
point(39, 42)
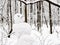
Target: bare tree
point(50, 17)
point(25, 12)
point(39, 15)
point(10, 20)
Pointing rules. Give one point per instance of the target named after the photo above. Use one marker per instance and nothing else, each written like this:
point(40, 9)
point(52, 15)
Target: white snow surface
point(28, 40)
point(21, 29)
point(18, 18)
point(24, 34)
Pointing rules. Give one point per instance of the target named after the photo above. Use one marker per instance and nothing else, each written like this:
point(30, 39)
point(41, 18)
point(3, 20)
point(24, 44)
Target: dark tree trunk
point(10, 20)
point(25, 12)
point(50, 17)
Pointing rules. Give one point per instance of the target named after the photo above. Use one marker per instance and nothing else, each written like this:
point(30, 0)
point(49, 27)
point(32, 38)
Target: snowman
point(20, 27)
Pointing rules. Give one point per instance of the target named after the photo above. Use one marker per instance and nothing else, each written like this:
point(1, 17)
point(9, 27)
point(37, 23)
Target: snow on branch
point(31, 2)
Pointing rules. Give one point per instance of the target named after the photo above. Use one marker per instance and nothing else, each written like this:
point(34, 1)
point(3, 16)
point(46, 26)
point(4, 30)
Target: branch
point(53, 3)
point(33, 2)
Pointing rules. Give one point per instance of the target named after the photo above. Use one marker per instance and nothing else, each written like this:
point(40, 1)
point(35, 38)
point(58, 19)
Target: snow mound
point(28, 40)
point(35, 34)
point(12, 40)
point(52, 39)
point(45, 30)
point(21, 29)
point(4, 32)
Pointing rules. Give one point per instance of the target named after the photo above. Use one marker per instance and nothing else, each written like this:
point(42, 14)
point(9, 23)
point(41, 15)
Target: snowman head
point(18, 18)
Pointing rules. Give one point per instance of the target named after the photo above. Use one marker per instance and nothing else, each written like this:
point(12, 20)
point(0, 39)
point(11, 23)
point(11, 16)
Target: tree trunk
point(38, 15)
point(50, 17)
point(25, 12)
point(10, 20)
point(8, 16)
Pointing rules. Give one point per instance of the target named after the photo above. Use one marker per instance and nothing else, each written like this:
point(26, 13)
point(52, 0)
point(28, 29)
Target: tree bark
point(50, 17)
point(10, 20)
point(25, 12)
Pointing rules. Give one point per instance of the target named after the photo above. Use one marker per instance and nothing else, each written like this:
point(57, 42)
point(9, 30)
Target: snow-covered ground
point(24, 34)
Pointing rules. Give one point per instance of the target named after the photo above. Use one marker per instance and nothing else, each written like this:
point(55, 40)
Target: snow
point(52, 40)
point(44, 39)
point(32, 1)
point(24, 34)
point(21, 28)
point(28, 40)
point(32, 37)
point(12, 40)
point(18, 18)
point(45, 30)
